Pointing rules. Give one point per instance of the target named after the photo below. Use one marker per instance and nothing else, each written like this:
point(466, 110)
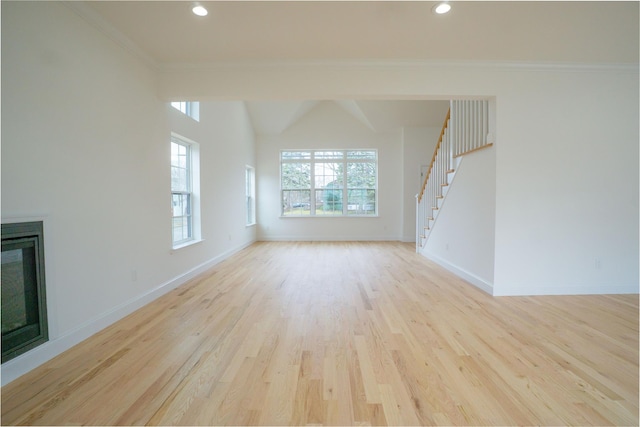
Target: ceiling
point(574, 31)
point(274, 117)
point(167, 34)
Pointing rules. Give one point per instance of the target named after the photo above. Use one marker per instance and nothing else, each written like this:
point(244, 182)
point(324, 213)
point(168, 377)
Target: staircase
point(465, 130)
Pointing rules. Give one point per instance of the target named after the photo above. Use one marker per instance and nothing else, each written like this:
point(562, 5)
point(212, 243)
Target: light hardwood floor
point(344, 333)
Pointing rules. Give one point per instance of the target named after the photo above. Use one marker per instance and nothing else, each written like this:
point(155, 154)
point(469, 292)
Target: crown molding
point(375, 63)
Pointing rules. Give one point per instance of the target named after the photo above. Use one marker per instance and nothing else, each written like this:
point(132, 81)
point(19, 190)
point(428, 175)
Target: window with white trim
point(250, 194)
point(329, 183)
point(184, 190)
point(189, 108)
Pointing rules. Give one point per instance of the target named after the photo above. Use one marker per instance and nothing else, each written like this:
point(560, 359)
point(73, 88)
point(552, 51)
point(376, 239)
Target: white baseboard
point(537, 289)
point(564, 289)
point(24, 363)
point(460, 272)
point(324, 238)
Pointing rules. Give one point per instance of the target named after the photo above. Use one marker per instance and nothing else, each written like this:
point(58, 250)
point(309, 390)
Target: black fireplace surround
point(24, 307)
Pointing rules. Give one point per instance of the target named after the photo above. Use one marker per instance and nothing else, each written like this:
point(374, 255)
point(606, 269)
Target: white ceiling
point(166, 33)
point(571, 31)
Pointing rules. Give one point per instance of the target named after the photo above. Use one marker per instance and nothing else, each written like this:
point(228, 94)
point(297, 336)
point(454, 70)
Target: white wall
point(329, 126)
point(566, 153)
point(85, 146)
point(462, 237)
point(227, 146)
point(418, 144)
point(567, 183)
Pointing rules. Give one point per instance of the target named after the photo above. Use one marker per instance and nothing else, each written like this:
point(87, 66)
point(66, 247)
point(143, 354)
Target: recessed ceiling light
point(199, 10)
point(442, 7)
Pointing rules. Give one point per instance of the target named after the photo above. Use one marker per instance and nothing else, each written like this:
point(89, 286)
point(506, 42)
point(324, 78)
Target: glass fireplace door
point(24, 323)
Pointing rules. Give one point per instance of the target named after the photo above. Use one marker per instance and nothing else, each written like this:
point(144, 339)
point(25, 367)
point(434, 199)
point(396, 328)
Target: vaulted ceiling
point(274, 117)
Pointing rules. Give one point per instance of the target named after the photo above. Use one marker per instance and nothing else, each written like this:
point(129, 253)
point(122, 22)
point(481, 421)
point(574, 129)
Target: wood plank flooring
point(342, 334)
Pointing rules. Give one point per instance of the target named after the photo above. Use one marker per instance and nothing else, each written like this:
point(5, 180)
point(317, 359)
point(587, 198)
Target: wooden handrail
point(473, 150)
point(435, 153)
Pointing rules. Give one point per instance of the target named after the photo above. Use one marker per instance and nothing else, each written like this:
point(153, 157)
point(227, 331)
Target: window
point(189, 108)
point(184, 186)
point(329, 182)
point(250, 195)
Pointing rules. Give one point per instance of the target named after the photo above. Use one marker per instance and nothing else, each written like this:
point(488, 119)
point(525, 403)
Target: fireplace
point(24, 308)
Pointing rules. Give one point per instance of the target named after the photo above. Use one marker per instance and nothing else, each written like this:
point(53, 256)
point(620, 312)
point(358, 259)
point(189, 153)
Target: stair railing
point(427, 199)
point(465, 130)
point(470, 126)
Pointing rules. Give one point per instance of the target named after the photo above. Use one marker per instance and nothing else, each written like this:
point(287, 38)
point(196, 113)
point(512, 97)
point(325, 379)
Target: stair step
point(430, 218)
point(446, 184)
point(451, 171)
point(439, 197)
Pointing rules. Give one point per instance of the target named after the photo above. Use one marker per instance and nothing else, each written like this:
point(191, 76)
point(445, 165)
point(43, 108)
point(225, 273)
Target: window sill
point(186, 244)
point(253, 224)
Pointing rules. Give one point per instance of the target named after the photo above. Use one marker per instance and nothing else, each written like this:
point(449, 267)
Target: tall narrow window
point(184, 180)
point(250, 195)
point(329, 182)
